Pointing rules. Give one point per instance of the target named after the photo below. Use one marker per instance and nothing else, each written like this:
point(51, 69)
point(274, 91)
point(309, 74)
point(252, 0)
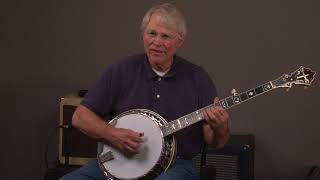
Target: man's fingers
point(128, 141)
point(129, 150)
point(137, 138)
point(216, 99)
point(215, 117)
point(211, 118)
point(133, 145)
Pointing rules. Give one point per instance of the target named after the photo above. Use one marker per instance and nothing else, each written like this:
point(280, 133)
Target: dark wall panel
point(52, 48)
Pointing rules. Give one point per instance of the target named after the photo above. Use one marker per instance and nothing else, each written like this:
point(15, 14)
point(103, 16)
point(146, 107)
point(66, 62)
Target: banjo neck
point(226, 103)
point(302, 76)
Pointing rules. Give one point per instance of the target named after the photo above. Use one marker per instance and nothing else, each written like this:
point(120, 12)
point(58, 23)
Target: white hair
point(170, 15)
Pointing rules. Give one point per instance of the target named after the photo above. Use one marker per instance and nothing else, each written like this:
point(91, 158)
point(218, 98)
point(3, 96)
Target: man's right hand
point(92, 125)
point(126, 140)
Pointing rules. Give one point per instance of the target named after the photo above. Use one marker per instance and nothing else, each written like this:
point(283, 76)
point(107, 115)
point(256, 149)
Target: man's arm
point(216, 126)
point(92, 125)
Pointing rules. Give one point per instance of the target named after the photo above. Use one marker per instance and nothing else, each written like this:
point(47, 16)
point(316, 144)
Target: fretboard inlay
point(225, 103)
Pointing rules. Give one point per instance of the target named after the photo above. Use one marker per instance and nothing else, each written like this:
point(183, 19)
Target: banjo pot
point(156, 153)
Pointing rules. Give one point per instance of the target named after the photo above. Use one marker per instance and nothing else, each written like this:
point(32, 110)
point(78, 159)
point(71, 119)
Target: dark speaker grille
point(197, 163)
point(226, 166)
point(76, 143)
point(233, 162)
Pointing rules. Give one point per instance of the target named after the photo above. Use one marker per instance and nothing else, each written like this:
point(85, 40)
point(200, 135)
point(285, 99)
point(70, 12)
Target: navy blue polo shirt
point(132, 84)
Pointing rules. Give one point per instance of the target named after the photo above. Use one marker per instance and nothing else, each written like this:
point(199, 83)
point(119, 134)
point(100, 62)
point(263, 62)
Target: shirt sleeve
point(102, 95)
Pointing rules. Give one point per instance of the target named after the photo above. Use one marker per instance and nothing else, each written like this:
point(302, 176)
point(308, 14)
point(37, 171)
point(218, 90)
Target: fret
point(230, 101)
point(185, 120)
point(199, 115)
point(173, 125)
point(267, 87)
point(226, 103)
point(194, 117)
point(183, 124)
point(236, 99)
point(244, 96)
point(191, 117)
point(171, 128)
point(251, 93)
point(259, 90)
point(179, 124)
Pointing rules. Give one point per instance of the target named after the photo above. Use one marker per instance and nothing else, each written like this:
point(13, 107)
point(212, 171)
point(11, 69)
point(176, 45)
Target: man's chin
point(157, 55)
point(156, 61)
point(156, 58)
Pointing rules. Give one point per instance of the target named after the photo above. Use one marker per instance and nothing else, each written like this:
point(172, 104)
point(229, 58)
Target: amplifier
point(75, 148)
point(233, 162)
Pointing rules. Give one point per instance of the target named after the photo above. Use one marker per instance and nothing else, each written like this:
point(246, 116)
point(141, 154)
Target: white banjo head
point(124, 167)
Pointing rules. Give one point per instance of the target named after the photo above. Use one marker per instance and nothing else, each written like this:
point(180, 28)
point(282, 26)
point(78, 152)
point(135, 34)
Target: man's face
point(161, 42)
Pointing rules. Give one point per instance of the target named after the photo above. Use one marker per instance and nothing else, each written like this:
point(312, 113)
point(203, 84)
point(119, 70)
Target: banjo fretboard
point(301, 76)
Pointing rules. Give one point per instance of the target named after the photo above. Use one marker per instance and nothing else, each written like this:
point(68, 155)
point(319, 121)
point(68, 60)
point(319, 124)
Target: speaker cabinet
point(75, 148)
point(233, 162)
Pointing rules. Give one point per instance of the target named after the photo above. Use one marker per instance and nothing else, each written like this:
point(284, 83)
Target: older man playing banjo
point(140, 95)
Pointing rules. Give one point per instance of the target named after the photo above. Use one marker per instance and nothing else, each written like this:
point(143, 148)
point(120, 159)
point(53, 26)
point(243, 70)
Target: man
point(160, 81)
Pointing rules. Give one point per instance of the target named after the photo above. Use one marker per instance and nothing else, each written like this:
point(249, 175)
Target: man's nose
point(158, 40)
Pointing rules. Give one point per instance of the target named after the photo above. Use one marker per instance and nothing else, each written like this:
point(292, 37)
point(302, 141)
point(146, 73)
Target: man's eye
point(165, 36)
point(152, 33)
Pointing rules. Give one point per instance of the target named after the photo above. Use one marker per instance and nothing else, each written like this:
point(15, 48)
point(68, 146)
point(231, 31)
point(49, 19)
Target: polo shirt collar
point(170, 74)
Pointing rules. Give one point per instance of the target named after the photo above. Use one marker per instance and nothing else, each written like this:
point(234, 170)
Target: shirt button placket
point(158, 95)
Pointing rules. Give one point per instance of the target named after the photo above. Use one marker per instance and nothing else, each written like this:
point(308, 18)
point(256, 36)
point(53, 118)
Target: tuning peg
point(234, 92)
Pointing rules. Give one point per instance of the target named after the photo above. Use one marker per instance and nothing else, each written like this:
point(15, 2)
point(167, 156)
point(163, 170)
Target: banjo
point(158, 151)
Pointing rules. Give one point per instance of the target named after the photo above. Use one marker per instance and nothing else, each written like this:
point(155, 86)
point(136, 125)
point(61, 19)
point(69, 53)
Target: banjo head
point(151, 150)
